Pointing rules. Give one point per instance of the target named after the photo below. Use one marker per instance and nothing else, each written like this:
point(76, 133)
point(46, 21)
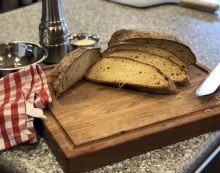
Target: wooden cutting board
point(93, 125)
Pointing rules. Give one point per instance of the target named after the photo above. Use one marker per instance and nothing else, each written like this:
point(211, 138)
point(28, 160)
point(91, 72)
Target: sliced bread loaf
point(72, 68)
point(148, 48)
point(155, 39)
point(167, 67)
point(126, 72)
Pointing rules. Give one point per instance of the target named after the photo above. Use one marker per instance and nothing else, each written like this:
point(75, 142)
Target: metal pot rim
point(35, 44)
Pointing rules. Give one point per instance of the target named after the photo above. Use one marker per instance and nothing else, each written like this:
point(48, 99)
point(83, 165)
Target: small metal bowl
point(15, 55)
point(83, 40)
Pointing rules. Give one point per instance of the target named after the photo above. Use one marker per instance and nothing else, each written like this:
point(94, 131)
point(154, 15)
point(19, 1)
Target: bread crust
point(58, 78)
point(125, 35)
point(121, 35)
point(63, 65)
point(165, 91)
point(141, 47)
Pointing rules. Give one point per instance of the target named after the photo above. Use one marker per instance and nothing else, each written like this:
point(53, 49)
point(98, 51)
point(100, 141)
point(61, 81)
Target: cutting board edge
point(145, 143)
point(164, 125)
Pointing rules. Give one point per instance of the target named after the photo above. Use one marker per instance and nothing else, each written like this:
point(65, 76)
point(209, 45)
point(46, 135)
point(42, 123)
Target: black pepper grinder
point(53, 31)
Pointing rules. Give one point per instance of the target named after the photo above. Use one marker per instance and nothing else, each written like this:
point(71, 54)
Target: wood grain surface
point(92, 125)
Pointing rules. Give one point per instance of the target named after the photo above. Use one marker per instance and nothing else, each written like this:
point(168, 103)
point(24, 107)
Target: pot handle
point(200, 5)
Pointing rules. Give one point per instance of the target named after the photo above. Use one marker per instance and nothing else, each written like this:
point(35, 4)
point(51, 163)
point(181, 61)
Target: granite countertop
point(198, 29)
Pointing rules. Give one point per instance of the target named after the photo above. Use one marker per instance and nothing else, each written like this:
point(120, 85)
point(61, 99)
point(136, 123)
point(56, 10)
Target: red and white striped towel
point(22, 93)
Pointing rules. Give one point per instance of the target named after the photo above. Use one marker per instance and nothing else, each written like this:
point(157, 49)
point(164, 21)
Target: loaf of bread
point(155, 39)
point(125, 72)
point(147, 48)
point(72, 68)
point(167, 67)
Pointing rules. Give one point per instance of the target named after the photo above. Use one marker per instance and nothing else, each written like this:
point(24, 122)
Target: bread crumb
point(208, 110)
point(179, 97)
point(217, 97)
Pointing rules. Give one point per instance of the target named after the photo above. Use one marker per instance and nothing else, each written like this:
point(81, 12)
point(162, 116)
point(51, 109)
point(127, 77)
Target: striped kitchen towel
point(23, 94)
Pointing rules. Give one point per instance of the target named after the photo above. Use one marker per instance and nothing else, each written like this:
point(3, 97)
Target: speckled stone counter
point(201, 31)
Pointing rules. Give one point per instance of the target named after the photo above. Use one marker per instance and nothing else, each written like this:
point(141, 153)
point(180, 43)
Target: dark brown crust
point(166, 91)
point(124, 35)
point(60, 71)
point(73, 54)
point(182, 83)
point(139, 47)
point(121, 35)
point(170, 89)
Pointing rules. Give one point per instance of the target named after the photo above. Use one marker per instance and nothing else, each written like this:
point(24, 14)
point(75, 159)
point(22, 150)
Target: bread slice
point(126, 72)
point(147, 48)
point(167, 67)
point(72, 68)
point(155, 39)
